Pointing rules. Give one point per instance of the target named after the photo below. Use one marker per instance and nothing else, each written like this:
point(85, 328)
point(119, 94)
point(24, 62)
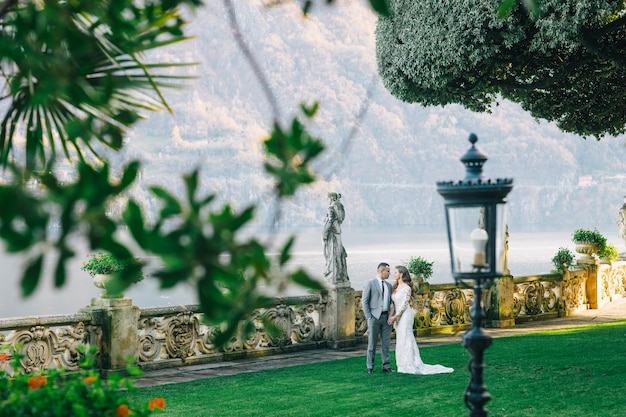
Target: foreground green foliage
point(74, 75)
point(59, 393)
point(554, 373)
point(75, 78)
point(562, 62)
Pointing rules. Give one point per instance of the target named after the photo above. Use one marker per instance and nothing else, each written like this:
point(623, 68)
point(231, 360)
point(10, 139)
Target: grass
point(574, 372)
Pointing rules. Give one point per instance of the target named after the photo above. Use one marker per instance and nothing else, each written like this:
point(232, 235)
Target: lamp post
point(476, 224)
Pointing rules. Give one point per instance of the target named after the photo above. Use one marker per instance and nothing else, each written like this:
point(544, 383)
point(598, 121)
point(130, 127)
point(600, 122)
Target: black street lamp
point(476, 222)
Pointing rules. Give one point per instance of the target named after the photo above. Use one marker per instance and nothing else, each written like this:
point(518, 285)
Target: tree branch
point(256, 68)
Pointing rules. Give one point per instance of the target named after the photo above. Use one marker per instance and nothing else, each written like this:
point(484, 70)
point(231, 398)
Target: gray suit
point(372, 304)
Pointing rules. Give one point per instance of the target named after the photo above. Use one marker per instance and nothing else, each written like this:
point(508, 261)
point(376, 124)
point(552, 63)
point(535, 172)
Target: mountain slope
point(388, 170)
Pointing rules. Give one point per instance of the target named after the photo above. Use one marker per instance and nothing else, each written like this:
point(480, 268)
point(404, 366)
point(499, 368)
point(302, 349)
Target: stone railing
point(611, 282)
point(50, 341)
point(172, 336)
point(544, 296)
point(165, 336)
point(177, 336)
point(439, 309)
point(444, 308)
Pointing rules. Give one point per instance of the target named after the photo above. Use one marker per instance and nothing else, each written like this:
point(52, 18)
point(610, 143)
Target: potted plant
point(609, 253)
point(564, 258)
point(589, 236)
point(102, 267)
point(420, 268)
point(588, 242)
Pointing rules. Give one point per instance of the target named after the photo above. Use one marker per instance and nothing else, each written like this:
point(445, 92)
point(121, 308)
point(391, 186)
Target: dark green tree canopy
point(564, 63)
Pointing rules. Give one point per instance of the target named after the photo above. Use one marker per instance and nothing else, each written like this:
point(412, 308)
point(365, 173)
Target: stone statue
point(505, 255)
point(621, 223)
point(335, 254)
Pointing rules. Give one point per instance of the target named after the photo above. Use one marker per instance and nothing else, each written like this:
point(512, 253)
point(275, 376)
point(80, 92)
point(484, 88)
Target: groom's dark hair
point(382, 265)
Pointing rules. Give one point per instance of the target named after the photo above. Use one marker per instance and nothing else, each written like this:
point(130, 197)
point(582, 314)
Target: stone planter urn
point(103, 281)
point(586, 250)
point(417, 278)
point(422, 288)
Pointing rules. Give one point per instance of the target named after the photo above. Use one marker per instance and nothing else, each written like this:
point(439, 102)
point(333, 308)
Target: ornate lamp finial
point(474, 160)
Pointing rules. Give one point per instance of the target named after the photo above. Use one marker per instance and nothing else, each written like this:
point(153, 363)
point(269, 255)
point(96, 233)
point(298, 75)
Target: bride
point(408, 358)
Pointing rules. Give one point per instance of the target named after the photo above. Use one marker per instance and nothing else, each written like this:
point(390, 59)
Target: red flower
point(37, 382)
point(157, 403)
point(90, 379)
point(4, 356)
point(123, 410)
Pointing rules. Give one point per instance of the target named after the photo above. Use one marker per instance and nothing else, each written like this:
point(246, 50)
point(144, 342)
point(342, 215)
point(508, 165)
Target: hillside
point(387, 172)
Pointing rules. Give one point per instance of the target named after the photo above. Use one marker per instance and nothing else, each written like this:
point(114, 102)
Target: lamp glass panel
point(477, 239)
point(462, 221)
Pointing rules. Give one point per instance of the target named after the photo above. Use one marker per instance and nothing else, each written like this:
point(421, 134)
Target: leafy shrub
point(420, 267)
point(589, 236)
point(60, 393)
point(107, 264)
point(563, 257)
point(609, 252)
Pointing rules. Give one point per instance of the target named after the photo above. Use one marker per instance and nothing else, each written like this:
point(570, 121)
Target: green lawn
point(573, 372)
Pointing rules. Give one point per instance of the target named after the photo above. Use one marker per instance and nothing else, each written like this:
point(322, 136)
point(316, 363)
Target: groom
point(376, 301)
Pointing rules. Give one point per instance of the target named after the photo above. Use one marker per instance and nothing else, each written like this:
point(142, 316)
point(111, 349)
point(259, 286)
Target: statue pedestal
point(119, 331)
point(502, 303)
point(593, 286)
point(340, 316)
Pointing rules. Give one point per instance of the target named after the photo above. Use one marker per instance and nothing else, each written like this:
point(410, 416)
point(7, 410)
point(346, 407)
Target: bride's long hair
point(406, 278)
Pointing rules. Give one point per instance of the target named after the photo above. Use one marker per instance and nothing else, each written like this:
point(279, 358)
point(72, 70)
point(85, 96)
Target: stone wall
point(177, 336)
point(444, 308)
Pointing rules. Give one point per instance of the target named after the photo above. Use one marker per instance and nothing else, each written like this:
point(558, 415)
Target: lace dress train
point(408, 360)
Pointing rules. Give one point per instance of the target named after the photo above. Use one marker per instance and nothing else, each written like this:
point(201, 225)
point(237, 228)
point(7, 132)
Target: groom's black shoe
point(370, 371)
point(388, 370)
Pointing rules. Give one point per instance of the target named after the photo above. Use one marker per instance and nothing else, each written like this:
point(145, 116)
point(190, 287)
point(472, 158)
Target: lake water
point(530, 252)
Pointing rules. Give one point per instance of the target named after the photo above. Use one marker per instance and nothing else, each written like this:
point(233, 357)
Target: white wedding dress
point(408, 360)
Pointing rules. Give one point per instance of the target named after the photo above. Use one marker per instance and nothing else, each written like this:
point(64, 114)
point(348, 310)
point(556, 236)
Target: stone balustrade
point(50, 341)
point(444, 308)
point(158, 337)
point(177, 336)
